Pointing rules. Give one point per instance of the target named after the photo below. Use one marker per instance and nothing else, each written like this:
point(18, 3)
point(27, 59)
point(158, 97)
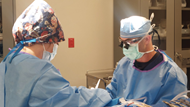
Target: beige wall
point(90, 22)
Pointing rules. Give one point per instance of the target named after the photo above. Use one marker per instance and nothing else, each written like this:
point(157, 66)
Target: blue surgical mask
point(49, 56)
point(133, 51)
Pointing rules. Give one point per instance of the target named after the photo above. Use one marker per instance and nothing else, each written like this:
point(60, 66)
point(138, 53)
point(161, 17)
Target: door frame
point(8, 18)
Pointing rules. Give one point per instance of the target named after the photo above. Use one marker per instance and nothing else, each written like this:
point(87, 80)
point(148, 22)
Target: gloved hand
point(113, 102)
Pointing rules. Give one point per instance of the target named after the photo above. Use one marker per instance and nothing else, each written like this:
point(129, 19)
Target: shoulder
point(169, 63)
point(173, 70)
point(125, 60)
point(29, 63)
point(123, 63)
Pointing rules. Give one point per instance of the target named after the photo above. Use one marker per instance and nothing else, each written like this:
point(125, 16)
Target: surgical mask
point(49, 56)
point(133, 51)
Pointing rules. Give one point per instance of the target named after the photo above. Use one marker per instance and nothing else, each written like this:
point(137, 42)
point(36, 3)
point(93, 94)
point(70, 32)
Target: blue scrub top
point(33, 82)
point(162, 82)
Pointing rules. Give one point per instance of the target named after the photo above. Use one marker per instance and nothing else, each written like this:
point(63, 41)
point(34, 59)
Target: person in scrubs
point(144, 71)
point(29, 78)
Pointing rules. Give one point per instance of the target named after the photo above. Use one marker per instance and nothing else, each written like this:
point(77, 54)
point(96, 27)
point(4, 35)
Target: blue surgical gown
point(163, 82)
point(32, 82)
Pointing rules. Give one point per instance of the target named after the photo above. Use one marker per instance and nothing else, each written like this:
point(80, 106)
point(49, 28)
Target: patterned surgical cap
point(38, 21)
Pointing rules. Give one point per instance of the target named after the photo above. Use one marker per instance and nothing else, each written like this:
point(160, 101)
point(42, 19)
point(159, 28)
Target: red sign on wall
point(71, 42)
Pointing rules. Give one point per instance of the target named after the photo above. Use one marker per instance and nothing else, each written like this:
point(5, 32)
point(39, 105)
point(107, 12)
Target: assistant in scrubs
point(28, 78)
point(144, 71)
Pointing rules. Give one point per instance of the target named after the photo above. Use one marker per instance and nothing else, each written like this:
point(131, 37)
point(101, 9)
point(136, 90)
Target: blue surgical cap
point(135, 26)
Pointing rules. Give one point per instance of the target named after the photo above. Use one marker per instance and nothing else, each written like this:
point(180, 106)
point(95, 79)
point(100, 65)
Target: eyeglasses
point(131, 41)
point(128, 42)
